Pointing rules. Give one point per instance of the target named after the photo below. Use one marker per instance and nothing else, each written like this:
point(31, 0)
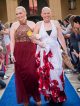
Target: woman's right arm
point(12, 38)
point(36, 38)
point(12, 41)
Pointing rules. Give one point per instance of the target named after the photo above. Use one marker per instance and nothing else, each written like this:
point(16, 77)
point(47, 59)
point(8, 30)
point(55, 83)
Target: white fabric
point(6, 39)
point(52, 44)
point(67, 29)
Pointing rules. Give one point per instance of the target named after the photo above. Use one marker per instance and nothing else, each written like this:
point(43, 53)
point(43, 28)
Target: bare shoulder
point(56, 23)
point(15, 25)
point(31, 24)
point(38, 24)
point(37, 27)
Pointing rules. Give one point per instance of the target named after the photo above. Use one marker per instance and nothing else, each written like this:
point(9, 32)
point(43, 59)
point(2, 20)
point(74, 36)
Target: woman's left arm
point(61, 38)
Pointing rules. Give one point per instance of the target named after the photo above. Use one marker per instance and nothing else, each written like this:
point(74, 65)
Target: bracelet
point(12, 55)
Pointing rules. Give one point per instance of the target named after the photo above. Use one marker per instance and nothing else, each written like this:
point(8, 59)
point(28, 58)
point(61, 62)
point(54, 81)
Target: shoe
point(78, 89)
point(75, 71)
point(5, 77)
point(68, 71)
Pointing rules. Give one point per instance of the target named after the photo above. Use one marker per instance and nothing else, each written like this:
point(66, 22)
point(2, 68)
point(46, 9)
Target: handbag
point(67, 61)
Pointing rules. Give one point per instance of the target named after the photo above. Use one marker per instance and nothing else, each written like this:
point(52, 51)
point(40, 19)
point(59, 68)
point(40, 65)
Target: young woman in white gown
point(48, 57)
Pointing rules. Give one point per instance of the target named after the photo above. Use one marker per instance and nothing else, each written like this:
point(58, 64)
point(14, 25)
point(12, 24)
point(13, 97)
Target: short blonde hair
point(46, 8)
point(22, 8)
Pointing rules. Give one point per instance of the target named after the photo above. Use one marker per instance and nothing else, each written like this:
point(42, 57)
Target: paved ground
point(9, 73)
point(72, 78)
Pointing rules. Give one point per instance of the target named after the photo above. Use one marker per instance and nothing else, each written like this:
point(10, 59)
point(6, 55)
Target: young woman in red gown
point(23, 56)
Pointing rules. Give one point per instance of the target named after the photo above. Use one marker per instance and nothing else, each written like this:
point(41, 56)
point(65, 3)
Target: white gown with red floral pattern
point(49, 66)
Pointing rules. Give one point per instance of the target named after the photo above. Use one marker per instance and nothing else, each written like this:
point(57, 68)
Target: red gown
point(25, 66)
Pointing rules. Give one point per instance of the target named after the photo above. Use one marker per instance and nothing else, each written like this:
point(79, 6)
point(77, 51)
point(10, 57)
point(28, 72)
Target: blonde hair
point(21, 8)
point(46, 8)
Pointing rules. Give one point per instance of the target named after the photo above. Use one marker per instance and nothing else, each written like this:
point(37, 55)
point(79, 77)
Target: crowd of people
point(36, 51)
point(71, 32)
point(4, 52)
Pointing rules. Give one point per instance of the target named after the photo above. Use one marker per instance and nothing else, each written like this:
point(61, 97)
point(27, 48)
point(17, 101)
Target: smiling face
point(20, 14)
point(76, 24)
point(76, 27)
point(46, 14)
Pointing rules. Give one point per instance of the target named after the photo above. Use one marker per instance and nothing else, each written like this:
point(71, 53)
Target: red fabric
point(25, 71)
point(47, 85)
point(7, 54)
point(2, 62)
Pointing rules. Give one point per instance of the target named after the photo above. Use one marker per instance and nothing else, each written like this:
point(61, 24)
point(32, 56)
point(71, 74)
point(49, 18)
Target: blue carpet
point(9, 96)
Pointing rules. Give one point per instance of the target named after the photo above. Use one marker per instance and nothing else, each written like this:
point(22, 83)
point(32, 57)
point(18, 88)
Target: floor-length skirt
point(51, 80)
point(25, 72)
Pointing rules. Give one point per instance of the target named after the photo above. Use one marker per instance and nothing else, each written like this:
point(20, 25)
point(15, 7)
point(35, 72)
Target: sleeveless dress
point(25, 66)
point(49, 66)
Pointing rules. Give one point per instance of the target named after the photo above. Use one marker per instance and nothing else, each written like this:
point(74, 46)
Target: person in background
point(6, 38)
point(76, 51)
point(2, 65)
point(74, 43)
point(23, 56)
point(1, 25)
point(67, 26)
point(48, 57)
point(2, 83)
point(3, 52)
point(2, 37)
point(1, 57)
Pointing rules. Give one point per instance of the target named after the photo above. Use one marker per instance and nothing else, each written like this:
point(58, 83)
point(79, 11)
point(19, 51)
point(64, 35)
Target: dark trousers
point(2, 83)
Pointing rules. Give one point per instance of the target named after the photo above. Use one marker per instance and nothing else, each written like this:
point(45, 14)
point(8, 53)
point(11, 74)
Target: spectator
point(75, 43)
point(7, 44)
point(2, 83)
point(76, 26)
point(2, 66)
point(2, 37)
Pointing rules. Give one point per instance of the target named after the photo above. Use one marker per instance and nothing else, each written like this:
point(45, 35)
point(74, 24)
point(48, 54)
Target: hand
point(13, 58)
point(75, 53)
point(65, 52)
point(32, 38)
point(42, 44)
point(37, 36)
point(79, 55)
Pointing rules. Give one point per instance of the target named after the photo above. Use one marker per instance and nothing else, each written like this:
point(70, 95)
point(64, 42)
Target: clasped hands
point(36, 39)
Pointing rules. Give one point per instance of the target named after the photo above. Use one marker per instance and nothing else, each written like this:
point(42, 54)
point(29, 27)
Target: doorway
point(33, 14)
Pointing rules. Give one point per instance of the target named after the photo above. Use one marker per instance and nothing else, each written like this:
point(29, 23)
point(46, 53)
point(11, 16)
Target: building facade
point(60, 8)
